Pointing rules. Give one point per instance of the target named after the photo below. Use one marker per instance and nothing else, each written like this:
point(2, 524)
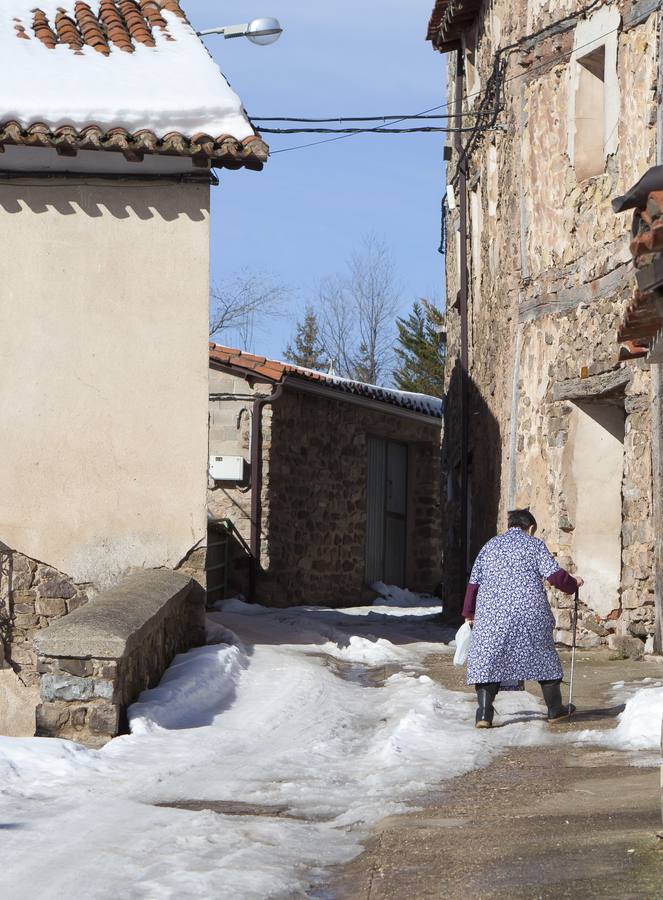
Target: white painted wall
point(103, 372)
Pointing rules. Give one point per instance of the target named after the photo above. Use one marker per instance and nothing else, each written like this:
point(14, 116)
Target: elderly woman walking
point(512, 634)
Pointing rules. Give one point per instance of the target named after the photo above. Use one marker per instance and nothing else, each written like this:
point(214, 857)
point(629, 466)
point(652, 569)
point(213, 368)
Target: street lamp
point(258, 31)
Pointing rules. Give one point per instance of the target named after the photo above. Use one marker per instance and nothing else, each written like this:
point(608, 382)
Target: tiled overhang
point(641, 330)
point(223, 151)
point(448, 21)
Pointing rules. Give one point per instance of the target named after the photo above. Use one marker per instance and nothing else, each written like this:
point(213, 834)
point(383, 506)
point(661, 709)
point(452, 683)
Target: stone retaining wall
point(32, 595)
point(94, 663)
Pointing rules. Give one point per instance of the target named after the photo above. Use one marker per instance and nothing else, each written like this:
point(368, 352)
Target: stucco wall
point(103, 373)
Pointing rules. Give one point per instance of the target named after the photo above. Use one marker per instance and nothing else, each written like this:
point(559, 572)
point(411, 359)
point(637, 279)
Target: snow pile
point(196, 687)
point(175, 86)
point(640, 724)
point(390, 595)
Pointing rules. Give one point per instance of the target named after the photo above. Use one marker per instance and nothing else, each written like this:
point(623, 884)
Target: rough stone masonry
point(558, 421)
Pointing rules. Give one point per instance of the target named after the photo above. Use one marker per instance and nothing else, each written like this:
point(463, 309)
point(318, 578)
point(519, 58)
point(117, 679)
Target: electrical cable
point(353, 118)
point(499, 66)
point(379, 130)
point(488, 92)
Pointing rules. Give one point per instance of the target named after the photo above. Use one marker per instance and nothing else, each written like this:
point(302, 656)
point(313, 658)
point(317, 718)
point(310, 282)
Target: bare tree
point(240, 305)
point(358, 313)
point(337, 326)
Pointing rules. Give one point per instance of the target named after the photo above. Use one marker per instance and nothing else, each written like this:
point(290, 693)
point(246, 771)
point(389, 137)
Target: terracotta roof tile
point(107, 25)
point(275, 371)
point(227, 152)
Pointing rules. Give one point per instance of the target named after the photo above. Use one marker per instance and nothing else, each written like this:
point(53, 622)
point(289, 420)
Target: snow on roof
point(274, 370)
point(127, 75)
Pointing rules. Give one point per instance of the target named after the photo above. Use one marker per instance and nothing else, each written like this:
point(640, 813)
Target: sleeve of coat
point(470, 604)
point(563, 581)
point(545, 562)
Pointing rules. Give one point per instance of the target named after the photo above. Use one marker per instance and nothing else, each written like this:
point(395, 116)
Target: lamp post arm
point(228, 31)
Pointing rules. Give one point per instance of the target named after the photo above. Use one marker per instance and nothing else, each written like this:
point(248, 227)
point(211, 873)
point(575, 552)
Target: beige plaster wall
point(103, 372)
point(594, 500)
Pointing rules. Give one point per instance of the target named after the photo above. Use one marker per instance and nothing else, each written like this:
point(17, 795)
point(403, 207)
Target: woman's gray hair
point(521, 518)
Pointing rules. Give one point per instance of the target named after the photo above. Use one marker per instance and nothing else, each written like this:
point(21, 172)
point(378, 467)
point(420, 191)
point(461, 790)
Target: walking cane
point(573, 648)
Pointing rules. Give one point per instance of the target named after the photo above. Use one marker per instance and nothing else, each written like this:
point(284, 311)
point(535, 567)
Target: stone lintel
point(595, 387)
point(115, 622)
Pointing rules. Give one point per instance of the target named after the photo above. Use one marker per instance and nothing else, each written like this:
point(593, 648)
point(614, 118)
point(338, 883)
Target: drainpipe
point(256, 486)
point(657, 493)
point(657, 410)
point(464, 373)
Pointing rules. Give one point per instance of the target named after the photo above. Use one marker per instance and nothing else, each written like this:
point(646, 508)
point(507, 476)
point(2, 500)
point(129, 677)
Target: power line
point(340, 137)
point(380, 130)
point(483, 94)
point(496, 80)
point(354, 118)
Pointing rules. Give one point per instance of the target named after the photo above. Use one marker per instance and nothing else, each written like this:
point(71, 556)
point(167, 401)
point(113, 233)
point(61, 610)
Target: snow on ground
point(639, 725)
point(324, 715)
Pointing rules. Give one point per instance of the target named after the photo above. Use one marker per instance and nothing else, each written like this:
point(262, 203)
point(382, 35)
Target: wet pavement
point(561, 820)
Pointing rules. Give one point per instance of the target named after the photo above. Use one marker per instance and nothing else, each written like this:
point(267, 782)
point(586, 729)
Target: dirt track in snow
point(559, 821)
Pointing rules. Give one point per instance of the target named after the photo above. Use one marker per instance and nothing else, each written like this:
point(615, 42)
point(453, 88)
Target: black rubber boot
point(552, 694)
point(486, 693)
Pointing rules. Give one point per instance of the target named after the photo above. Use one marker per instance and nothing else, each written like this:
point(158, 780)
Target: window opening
point(590, 137)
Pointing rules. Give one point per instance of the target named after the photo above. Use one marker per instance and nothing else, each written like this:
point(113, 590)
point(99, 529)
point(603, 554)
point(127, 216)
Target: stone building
point(560, 109)
point(104, 211)
point(332, 485)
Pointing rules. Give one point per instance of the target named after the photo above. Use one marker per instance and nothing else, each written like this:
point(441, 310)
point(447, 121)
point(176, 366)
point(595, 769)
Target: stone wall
point(549, 280)
point(32, 595)
point(96, 661)
point(230, 417)
point(313, 501)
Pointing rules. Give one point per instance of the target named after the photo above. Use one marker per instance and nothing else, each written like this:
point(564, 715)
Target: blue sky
point(303, 215)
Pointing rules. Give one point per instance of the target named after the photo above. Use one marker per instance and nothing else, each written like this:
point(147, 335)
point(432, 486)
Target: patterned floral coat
point(512, 637)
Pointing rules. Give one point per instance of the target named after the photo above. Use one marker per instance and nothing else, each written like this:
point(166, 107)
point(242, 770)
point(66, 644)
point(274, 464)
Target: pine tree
point(421, 350)
point(364, 366)
point(306, 347)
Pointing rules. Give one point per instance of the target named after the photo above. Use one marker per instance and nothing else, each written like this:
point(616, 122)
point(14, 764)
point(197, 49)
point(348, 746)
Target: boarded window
point(595, 489)
point(590, 124)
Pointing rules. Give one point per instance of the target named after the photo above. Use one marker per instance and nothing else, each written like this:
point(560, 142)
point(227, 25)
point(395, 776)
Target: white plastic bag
point(463, 638)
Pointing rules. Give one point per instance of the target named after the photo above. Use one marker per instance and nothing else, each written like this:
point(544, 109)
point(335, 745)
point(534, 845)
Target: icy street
point(294, 736)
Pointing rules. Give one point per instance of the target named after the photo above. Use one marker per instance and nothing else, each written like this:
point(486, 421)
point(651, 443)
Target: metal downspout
point(464, 367)
point(256, 486)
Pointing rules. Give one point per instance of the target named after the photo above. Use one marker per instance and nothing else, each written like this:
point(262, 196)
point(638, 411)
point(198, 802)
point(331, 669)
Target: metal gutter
point(656, 372)
point(77, 177)
point(311, 387)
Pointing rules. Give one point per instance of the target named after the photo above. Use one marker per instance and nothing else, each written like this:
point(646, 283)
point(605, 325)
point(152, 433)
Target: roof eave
point(298, 383)
point(205, 151)
point(449, 20)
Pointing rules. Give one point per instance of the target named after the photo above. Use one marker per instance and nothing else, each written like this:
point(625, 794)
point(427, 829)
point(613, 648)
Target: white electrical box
point(226, 468)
